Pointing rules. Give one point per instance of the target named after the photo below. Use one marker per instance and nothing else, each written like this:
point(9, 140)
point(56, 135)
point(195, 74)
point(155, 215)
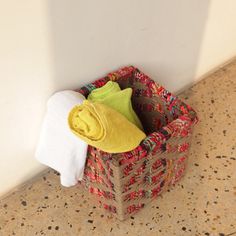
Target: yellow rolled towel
point(104, 128)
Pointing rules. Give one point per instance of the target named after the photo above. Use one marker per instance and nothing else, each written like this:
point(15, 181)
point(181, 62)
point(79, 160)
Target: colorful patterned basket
point(126, 182)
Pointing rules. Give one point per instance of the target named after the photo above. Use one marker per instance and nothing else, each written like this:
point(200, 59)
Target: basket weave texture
point(126, 182)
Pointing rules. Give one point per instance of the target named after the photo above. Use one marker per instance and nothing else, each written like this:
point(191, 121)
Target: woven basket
point(126, 182)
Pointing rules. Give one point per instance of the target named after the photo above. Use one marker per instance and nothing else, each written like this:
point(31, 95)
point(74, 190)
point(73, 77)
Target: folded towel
point(104, 128)
point(58, 147)
point(120, 100)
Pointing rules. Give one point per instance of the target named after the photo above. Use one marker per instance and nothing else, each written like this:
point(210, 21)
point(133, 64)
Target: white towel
point(58, 147)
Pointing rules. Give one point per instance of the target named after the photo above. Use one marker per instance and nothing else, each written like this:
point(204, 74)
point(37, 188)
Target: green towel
point(120, 100)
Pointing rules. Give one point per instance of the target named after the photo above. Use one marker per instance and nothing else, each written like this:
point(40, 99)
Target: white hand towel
point(58, 147)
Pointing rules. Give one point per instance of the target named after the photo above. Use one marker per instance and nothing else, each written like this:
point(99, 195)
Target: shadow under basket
point(126, 182)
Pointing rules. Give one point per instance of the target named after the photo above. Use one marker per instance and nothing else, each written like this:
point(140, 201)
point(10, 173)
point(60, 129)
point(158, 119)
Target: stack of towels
point(105, 120)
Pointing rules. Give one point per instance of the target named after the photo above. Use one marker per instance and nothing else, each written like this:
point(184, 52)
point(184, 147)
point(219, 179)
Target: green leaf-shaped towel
point(120, 100)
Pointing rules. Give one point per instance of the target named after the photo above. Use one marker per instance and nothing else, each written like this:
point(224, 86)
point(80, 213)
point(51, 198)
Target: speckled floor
point(203, 203)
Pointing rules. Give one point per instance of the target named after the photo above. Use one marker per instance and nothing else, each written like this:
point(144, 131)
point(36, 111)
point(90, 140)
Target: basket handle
point(178, 128)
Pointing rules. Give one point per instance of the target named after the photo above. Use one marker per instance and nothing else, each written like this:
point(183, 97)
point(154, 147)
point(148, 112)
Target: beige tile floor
point(203, 203)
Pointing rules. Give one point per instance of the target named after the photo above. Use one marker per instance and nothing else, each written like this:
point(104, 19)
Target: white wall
point(219, 38)
point(26, 81)
point(46, 46)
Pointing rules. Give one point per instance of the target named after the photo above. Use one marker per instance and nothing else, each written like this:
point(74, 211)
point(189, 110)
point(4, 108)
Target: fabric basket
point(126, 182)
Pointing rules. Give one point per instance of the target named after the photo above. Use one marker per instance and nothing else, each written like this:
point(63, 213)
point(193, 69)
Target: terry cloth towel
point(120, 100)
point(58, 147)
point(104, 128)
